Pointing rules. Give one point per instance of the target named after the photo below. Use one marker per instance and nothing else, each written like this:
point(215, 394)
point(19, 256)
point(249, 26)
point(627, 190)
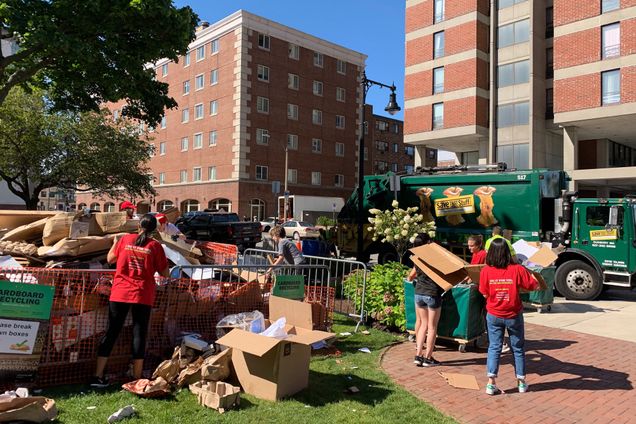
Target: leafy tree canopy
point(87, 52)
point(42, 148)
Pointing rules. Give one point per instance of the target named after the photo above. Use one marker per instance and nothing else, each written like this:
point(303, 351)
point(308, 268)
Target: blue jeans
point(496, 328)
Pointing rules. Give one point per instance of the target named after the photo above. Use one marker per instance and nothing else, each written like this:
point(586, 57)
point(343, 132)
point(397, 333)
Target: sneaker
point(505, 348)
point(418, 361)
point(522, 386)
point(431, 362)
point(491, 389)
point(99, 382)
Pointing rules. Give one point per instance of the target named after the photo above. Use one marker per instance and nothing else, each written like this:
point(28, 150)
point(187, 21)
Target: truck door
point(609, 246)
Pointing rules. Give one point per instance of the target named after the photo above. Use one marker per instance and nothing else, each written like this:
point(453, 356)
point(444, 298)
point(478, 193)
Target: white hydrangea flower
point(375, 211)
point(412, 239)
point(395, 204)
point(404, 233)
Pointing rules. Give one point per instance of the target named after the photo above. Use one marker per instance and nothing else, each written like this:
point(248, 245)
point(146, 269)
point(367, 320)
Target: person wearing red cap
point(129, 208)
point(168, 227)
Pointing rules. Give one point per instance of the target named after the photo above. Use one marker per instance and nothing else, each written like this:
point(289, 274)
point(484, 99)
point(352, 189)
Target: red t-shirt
point(479, 258)
point(501, 288)
point(134, 280)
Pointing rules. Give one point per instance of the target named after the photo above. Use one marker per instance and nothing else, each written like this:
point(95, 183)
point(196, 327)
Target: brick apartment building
point(530, 83)
point(248, 89)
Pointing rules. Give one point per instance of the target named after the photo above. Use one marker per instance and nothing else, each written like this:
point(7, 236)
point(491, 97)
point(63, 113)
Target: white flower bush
point(399, 227)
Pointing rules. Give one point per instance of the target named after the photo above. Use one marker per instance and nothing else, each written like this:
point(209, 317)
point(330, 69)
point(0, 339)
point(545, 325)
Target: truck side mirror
point(613, 216)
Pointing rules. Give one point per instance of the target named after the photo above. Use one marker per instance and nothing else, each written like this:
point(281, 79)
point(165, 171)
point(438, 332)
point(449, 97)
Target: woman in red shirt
point(476, 248)
point(500, 281)
point(138, 258)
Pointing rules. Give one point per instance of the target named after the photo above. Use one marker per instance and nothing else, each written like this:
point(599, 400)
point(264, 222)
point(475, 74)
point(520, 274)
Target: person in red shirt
point(476, 248)
point(129, 208)
point(500, 282)
point(138, 258)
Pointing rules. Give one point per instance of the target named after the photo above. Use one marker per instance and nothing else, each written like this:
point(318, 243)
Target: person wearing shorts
point(428, 307)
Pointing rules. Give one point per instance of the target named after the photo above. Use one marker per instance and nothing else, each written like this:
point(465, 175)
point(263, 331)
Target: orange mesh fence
point(218, 253)
point(79, 318)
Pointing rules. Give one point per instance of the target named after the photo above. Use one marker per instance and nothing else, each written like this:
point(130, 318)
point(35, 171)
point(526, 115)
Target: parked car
point(221, 227)
point(269, 223)
point(300, 229)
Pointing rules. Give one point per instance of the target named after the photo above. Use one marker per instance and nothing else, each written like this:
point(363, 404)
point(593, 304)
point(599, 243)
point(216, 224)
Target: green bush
point(384, 300)
point(325, 221)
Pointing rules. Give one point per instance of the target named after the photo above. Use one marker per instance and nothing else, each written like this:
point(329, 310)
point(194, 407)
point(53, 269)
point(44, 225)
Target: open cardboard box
point(444, 268)
point(271, 368)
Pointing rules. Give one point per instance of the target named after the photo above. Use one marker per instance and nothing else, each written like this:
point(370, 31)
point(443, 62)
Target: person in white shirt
point(168, 227)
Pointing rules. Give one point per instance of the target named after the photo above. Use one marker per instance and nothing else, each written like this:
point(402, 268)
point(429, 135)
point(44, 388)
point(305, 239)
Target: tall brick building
point(530, 83)
point(248, 89)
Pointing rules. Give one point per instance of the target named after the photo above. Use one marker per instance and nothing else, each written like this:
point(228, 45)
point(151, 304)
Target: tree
point(84, 151)
point(88, 52)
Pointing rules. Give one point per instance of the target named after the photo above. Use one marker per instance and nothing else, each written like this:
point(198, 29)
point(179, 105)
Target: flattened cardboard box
point(270, 368)
point(444, 268)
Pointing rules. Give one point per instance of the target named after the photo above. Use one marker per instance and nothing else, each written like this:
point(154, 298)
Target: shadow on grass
point(325, 389)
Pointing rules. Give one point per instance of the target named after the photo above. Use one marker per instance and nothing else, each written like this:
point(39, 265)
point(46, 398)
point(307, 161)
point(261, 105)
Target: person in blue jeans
point(500, 282)
point(428, 307)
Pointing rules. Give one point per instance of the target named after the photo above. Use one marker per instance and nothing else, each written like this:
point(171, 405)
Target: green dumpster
point(541, 298)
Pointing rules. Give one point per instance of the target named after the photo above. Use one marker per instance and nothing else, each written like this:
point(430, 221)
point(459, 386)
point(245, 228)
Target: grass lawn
point(379, 399)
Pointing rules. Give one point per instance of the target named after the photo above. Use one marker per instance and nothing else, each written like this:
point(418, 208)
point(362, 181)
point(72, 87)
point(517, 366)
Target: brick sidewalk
point(573, 378)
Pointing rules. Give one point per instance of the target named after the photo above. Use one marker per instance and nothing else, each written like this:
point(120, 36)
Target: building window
point(262, 73)
point(611, 40)
point(381, 166)
point(438, 10)
point(164, 69)
point(263, 41)
point(338, 180)
point(292, 111)
point(340, 94)
point(183, 176)
point(341, 67)
point(549, 22)
point(212, 138)
point(438, 44)
point(262, 136)
point(164, 122)
point(395, 128)
point(220, 204)
point(200, 53)
point(317, 87)
point(214, 76)
point(609, 5)
point(293, 81)
point(513, 114)
point(315, 178)
point(262, 104)
point(185, 115)
point(340, 122)
point(316, 116)
point(292, 176)
point(186, 59)
point(438, 116)
point(515, 155)
point(381, 125)
point(186, 87)
point(502, 4)
point(292, 141)
point(611, 86)
point(438, 80)
point(184, 144)
point(408, 169)
point(96, 207)
point(366, 153)
point(196, 174)
point(294, 51)
point(319, 59)
point(394, 167)
point(198, 111)
point(549, 62)
point(409, 150)
point(396, 148)
point(340, 149)
point(189, 206)
point(316, 145)
point(549, 103)
point(261, 172)
point(513, 73)
point(198, 82)
point(162, 178)
point(162, 148)
point(197, 141)
point(381, 146)
point(514, 33)
point(214, 107)
point(214, 46)
point(211, 173)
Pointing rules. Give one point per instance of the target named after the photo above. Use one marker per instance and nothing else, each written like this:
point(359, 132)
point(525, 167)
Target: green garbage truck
point(595, 237)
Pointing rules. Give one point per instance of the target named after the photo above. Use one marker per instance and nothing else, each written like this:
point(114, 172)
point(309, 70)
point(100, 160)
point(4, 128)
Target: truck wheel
point(388, 255)
point(577, 280)
point(266, 229)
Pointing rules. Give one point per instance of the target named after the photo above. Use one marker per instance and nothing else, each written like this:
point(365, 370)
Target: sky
point(372, 27)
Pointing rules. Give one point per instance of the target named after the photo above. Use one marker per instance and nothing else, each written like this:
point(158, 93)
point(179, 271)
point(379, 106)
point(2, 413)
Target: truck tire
point(387, 255)
point(266, 229)
point(577, 280)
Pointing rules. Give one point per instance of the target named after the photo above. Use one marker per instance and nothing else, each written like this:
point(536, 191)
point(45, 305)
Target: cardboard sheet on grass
point(271, 368)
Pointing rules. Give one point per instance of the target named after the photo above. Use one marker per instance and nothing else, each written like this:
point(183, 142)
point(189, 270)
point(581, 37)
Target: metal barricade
point(348, 277)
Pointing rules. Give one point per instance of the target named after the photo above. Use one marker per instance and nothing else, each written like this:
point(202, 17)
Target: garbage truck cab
point(593, 237)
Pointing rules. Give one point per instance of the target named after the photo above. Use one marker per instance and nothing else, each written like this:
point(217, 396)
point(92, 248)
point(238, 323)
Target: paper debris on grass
point(352, 390)
point(366, 332)
point(365, 350)
point(345, 333)
point(91, 407)
point(125, 412)
point(460, 381)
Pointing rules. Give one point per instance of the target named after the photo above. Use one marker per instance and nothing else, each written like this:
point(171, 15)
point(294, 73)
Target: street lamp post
point(392, 108)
